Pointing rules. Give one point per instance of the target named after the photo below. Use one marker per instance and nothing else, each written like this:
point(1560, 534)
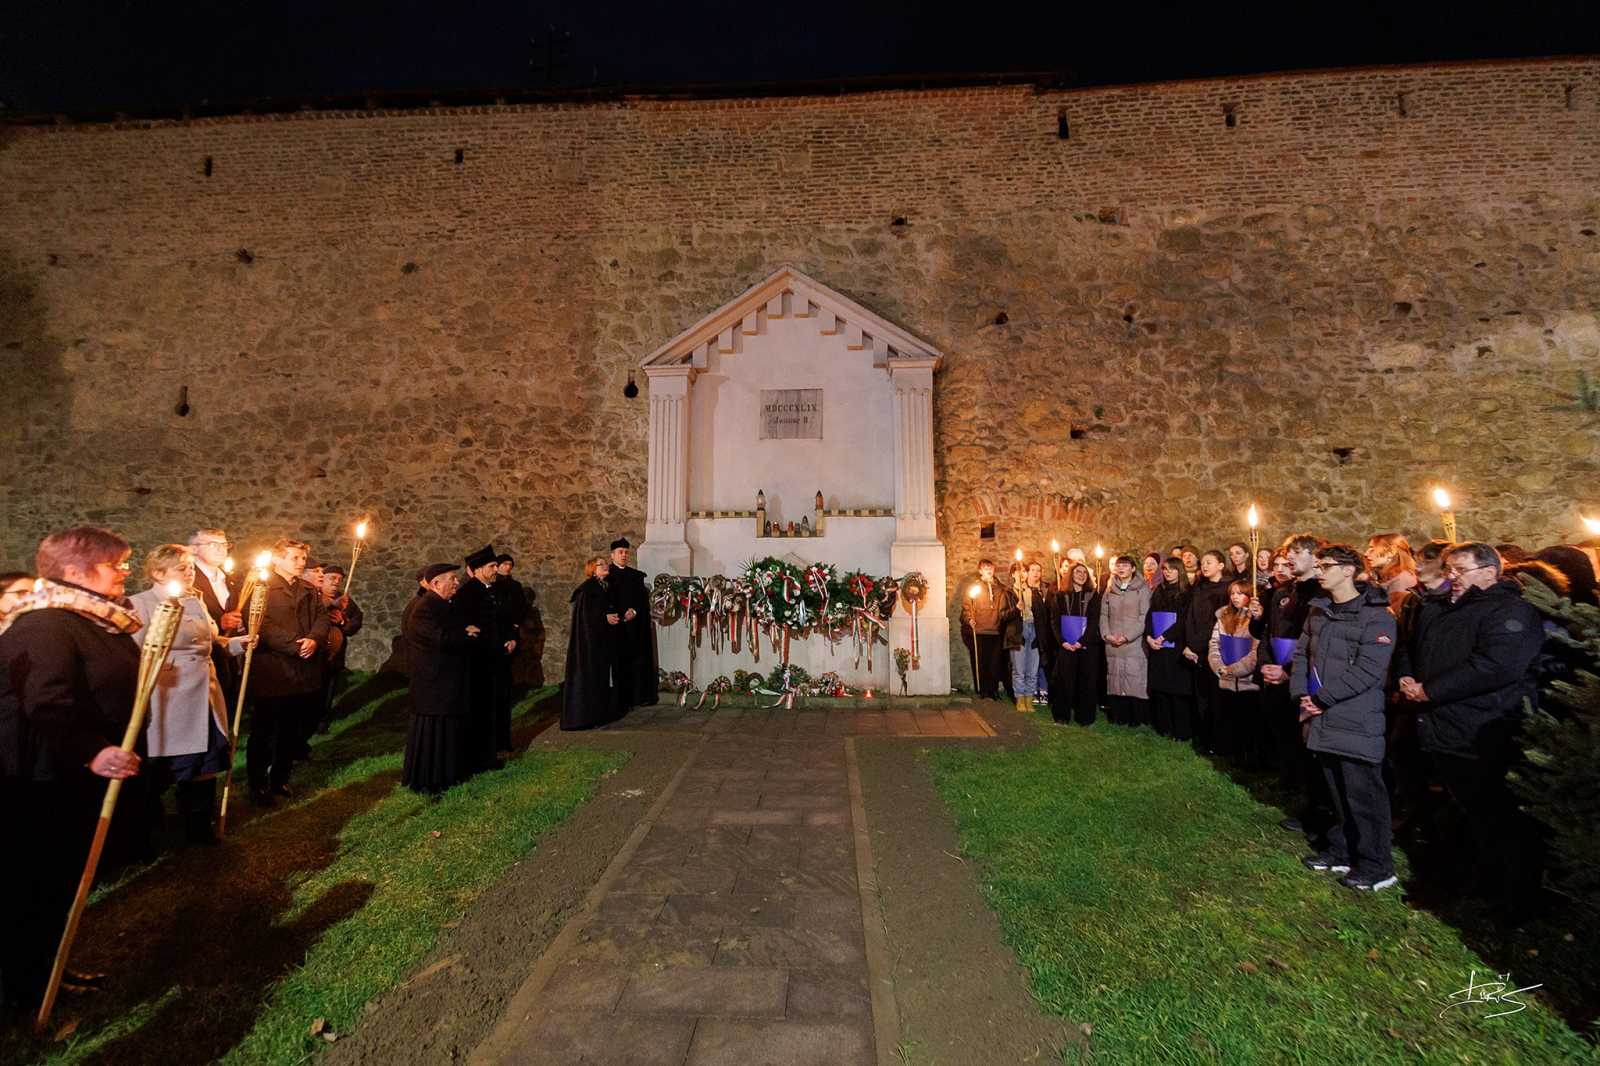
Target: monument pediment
point(789, 294)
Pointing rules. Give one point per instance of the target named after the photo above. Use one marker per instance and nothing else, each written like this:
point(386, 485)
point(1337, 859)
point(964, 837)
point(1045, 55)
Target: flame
point(1055, 547)
point(1018, 555)
point(361, 529)
point(263, 560)
point(1442, 498)
point(263, 576)
point(1099, 552)
point(227, 565)
point(972, 593)
point(174, 589)
point(1252, 517)
point(1592, 525)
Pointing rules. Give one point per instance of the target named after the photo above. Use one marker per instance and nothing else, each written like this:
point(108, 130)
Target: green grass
point(424, 862)
point(1153, 899)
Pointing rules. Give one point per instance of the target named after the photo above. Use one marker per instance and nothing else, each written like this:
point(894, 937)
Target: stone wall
point(1277, 288)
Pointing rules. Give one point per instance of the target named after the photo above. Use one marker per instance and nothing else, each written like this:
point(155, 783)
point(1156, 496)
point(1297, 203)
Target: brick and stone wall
point(1324, 292)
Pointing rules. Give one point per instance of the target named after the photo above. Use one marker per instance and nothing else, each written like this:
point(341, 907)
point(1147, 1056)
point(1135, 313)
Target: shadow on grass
point(195, 942)
point(1562, 939)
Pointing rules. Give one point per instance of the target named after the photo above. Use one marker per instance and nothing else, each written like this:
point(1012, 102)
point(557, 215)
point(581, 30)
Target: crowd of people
point(1378, 684)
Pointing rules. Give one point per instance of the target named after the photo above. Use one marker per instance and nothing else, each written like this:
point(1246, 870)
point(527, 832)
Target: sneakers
point(1326, 864)
point(1370, 882)
point(1292, 824)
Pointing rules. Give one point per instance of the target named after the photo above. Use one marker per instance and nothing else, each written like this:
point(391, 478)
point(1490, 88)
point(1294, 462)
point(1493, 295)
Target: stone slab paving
point(730, 929)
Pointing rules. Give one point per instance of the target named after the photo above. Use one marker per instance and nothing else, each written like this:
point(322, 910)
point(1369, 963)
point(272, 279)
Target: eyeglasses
point(1453, 572)
point(213, 544)
point(122, 565)
point(1325, 567)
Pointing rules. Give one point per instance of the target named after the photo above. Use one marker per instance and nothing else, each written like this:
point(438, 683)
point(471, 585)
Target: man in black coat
point(1341, 665)
point(219, 591)
point(286, 678)
point(1468, 670)
point(68, 667)
point(633, 638)
point(474, 604)
point(437, 646)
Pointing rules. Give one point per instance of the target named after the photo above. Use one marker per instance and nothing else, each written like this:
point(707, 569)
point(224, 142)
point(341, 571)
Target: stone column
point(916, 542)
point(665, 548)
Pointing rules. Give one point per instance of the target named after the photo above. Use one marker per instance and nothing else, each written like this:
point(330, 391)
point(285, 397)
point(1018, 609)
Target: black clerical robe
point(589, 696)
point(635, 640)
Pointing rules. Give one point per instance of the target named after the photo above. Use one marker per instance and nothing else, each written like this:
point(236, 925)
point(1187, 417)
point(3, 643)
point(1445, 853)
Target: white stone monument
point(789, 390)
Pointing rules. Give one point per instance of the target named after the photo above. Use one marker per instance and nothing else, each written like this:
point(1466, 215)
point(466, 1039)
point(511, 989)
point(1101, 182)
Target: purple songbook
point(1072, 628)
point(1283, 650)
point(1313, 683)
point(1233, 648)
point(1160, 622)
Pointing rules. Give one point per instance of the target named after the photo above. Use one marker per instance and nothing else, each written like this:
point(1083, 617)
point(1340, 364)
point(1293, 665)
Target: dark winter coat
point(589, 695)
point(1059, 605)
point(1206, 598)
point(1170, 673)
point(70, 685)
point(436, 653)
point(294, 610)
point(984, 613)
point(1474, 659)
point(1349, 645)
point(1012, 621)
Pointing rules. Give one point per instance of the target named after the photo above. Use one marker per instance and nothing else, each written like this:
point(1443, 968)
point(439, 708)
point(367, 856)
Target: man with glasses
point(1340, 666)
point(1468, 671)
point(219, 591)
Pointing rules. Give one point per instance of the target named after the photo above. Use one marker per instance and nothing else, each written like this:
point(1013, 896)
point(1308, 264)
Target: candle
point(355, 554)
point(1592, 525)
point(1099, 554)
point(1255, 545)
point(1055, 556)
point(977, 672)
point(174, 590)
point(1446, 516)
point(263, 560)
point(227, 565)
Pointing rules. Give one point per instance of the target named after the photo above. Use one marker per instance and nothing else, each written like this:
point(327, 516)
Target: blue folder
point(1283, 650)
point(1073, 627)
point(1160, 622)
point(1233, 648)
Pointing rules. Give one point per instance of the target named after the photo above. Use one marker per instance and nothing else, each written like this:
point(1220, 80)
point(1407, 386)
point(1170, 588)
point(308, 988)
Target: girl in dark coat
point(590, 696)
point(1210, 596)
point(1171, 676)
point(1075, 679)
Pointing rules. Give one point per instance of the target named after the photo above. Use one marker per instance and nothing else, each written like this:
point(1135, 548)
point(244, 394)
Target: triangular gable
point(790, 294)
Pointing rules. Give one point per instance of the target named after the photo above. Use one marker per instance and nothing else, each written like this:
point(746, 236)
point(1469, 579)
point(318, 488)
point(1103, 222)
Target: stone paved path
point(730, 929)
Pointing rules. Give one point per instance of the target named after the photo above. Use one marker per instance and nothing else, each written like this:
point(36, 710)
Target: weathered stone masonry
point(1321, 306)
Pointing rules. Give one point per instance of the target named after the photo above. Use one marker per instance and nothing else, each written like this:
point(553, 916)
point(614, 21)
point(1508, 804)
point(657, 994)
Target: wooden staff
point(258, 608)
point(163, 627)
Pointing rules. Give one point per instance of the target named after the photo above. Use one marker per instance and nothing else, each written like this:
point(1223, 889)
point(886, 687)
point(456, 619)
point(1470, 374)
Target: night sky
point(150, 56)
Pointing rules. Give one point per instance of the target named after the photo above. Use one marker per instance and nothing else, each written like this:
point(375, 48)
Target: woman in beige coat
point(187, 733)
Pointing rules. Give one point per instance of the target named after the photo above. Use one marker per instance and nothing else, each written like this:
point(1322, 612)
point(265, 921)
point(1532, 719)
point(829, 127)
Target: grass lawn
point(387, 870)
point(1154, 901)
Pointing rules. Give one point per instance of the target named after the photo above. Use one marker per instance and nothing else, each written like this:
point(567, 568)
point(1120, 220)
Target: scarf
point(108, 614)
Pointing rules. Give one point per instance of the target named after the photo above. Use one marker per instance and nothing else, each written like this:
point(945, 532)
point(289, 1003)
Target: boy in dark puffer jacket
point(1340, 667)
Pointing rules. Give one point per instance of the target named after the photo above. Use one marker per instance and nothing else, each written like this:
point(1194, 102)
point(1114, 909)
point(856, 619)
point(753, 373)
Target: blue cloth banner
point(1073, 627)
point(1160, 622)
point(1283, 650)
point(1233, 648)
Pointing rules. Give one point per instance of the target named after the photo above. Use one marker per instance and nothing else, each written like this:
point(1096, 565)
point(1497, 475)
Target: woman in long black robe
point(590, 697)
point(1171, 676)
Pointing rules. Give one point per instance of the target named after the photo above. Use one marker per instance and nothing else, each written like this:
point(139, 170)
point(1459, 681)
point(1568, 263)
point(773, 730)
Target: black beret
point(433, 570)
point(620, 542)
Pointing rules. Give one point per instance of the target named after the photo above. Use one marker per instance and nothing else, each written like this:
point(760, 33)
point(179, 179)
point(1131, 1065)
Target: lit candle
point(1099, 555)
point(977, 670)
point(1446, 515)
point(1055, 556)
point(355, 554)
point(263, 560)
point(174, 590)
point(1592, 525)
point(1255, 545)
point(227, 565)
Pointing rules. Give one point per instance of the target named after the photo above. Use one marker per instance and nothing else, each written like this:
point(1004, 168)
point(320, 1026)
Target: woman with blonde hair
point(589, 696)
point(187, 733)
point(1391, 564)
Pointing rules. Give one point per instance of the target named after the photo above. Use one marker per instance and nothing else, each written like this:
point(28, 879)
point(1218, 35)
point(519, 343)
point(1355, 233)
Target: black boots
point(197, 803)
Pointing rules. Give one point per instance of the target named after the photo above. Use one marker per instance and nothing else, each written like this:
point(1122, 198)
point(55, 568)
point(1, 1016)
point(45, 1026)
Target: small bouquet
point(715, 688)
point(902, 663)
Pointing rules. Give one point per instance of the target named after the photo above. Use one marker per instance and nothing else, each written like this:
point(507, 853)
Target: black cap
point(620, 542)
point(482, 557)
point(504, 558)
point(433, 570)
